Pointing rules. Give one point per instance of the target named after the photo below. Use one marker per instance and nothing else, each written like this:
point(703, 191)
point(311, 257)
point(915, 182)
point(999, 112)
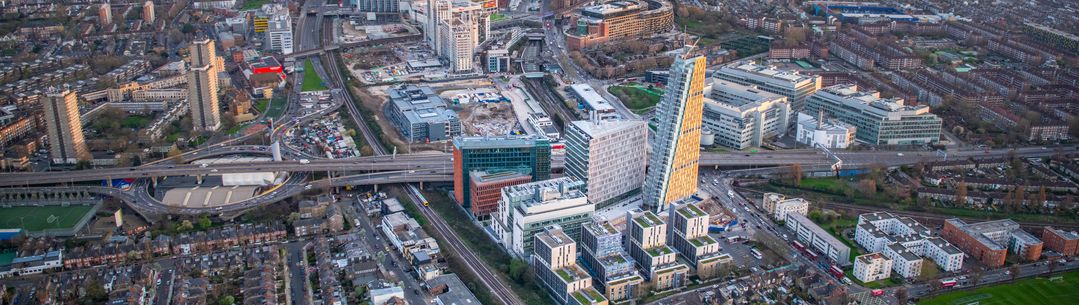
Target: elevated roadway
point(139, 199)
point(428, 161)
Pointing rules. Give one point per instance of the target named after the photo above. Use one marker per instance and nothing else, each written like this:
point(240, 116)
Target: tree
point(361, 292)
point(961, 193)
point(869, 187)
point(1013, 272)
point(95, 293)
point(204, 222)
point(1043, 196)
point(174, 152)
point(1020, 196)
point(793, 37)
point(185, 226)
point(796, 174)
point(293, 217)
point(518, 268)
point(919, 168)
point(226, 300)
point(901, 295)
point(83, 164)
point(975, 278)
point(187, 28)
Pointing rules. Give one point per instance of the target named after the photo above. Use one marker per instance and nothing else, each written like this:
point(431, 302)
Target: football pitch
point(39, 218)
point(1060, 290)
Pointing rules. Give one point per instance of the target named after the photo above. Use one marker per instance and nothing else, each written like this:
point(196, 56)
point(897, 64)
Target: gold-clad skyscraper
point(672, 169)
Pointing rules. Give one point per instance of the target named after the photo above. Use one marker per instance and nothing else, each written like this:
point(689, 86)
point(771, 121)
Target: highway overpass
point(442, 161)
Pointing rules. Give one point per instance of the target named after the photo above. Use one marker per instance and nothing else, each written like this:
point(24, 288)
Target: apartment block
point(460, 36)
point(990, 241)
point(904, 240)
point(817, 238)
point(67, 144)
point(778, 206)
point(1018, 51)
point(885, 55)
point(872, 267)
point(1064, 242)
point(526, 209)
point(647, 244)
point(905, 262)
point(688, 232)
point(602, 254)
point(1064, 41)
point(555, 264)
point(673, 165)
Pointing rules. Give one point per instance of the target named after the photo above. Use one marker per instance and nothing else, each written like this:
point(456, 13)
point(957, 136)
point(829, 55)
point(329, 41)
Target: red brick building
point(1064, 242)
point(486, 189)
point(990, 241)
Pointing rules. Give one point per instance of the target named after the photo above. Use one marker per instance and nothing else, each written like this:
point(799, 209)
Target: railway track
point(334, 72)
point(496, 285)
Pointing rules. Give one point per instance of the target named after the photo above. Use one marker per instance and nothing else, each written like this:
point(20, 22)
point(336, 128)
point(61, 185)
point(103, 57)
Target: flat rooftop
point(593, 99)
point(554, 237)
point(507, 141)
point(691, 211)
point(768, 72)
point(647, 219)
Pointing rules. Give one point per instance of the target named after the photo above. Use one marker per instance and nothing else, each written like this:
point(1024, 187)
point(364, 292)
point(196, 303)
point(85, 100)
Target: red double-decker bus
point(948, 283)
point(799, 246)
point(836, 272)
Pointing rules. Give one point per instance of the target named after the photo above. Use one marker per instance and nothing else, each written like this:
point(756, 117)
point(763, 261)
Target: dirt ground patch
point(486, 119)
point(103, 225)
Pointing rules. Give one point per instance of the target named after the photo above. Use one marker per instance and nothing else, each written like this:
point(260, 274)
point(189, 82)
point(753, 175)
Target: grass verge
point(311, 80)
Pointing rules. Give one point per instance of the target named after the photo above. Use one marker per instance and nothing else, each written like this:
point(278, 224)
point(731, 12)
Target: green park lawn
point(1039, 290)
point(37, 218)
point(636, 97)
point(311, 80)
point(253, 4)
